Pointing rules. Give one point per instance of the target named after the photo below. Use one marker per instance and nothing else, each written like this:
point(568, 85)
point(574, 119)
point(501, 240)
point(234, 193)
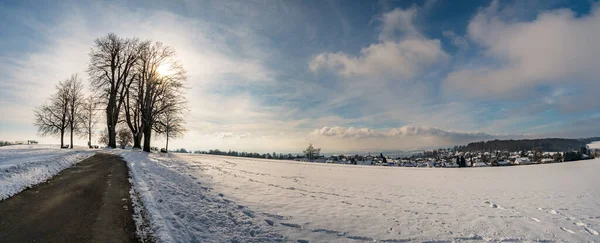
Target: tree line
point(546, 144)
point(138, 84)
point(310, 153)
point(248, 154)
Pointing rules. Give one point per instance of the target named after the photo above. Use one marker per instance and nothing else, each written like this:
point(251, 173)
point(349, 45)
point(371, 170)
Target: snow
point(594, 145)
point(180, 208)
point(22, 166)
point(203, 198)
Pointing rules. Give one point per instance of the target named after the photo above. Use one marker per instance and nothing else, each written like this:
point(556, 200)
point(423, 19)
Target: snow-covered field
point(22, 166)
point(203, 198)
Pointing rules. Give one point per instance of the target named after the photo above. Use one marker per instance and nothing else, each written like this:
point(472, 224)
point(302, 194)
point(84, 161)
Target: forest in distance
point(545, 144)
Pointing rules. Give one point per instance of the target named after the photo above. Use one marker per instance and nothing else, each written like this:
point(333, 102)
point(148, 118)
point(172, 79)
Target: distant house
point(503, 163)
point(363, 162)
point(480, 164)
point(522, 161)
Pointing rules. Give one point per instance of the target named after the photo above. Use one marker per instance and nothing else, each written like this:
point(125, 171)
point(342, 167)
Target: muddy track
point(88, 202)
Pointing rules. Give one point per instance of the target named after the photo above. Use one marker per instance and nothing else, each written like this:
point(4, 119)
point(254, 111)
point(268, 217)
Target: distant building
point(522, 161)
point(363, 162)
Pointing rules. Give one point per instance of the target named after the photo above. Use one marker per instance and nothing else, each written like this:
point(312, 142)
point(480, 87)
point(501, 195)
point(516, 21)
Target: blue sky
point(345, 75)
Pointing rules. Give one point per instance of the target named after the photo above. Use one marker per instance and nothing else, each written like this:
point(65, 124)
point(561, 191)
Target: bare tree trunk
point(112, 134)
point(71, 145)
point(89, 128)
point(167, 145)
point(62, 138)
point(72, 126)
point(111, 124)
point(137, 141)
point(147, 137)
point(71, 117)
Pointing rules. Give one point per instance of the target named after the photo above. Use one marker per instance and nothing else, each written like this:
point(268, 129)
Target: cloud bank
point(557, 48)
point(404, 131)
point(402, 51)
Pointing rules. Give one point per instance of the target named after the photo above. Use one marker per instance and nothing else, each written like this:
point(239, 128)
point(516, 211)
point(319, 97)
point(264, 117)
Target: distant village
point(450, 158)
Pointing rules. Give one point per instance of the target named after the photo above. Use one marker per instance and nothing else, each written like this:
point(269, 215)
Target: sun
point(164, 69)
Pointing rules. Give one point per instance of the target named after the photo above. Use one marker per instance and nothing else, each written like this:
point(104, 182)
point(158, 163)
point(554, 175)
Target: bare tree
point(89, 118)
point(170, 124)
point(157, 89)
point(124, 137)
point(74, 89)
point(111, 70)
point(132, 109)
point(103, 139)
point(53, 119)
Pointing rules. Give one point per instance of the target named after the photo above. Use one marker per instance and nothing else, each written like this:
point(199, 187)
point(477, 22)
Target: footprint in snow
point(270, 222)
point(493, 205)
point(567, 230)
point(249, 213)
point(292, 225)
point(586, 228)
point(591, 231)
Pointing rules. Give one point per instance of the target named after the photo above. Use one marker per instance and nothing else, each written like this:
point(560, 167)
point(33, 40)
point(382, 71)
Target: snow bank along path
point(180, 208)
point(203, 198)
point(22, 166)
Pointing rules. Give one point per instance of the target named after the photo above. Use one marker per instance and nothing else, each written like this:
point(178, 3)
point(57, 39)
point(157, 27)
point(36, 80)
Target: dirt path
point(88, 202)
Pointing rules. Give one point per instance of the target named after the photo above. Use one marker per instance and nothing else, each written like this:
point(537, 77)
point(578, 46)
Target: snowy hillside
point(594, 145)
point(214, 198)
point(26, 165)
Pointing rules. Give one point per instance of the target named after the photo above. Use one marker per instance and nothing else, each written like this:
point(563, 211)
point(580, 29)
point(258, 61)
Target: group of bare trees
point(139, 83)
point(62, 112)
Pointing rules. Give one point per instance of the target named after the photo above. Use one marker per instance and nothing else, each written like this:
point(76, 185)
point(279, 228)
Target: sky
point(346, 76)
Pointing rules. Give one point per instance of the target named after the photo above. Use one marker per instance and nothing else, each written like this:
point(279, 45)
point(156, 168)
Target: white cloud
point(459, 41)
point(343, 132)
point(398, 22)
point(402, 52)
point(404, 131)
point(556, 48)
point(338, 138)
point(229, 135)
